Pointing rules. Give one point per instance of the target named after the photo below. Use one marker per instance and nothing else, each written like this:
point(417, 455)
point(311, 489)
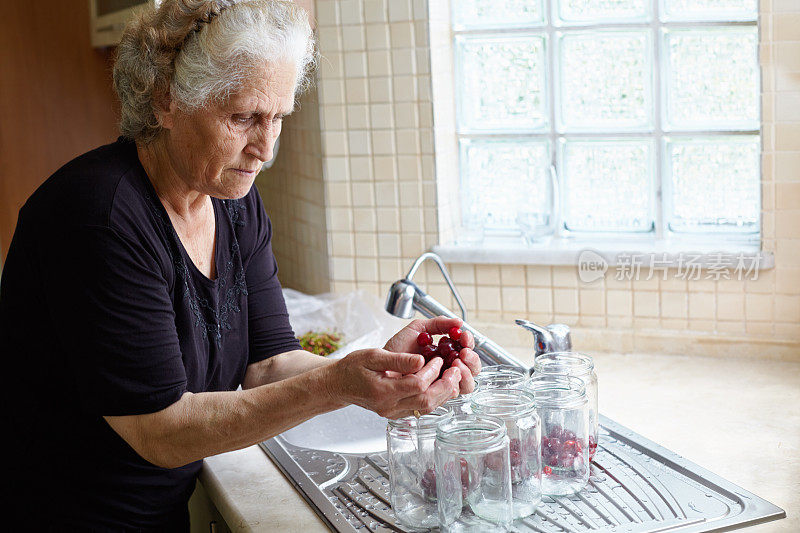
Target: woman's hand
point(392, 384)
point(468, 361)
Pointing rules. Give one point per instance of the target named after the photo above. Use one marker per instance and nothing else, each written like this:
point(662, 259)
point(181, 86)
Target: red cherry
point(428, 483)
point(547, 470)
point(424, 338)
point(494, 460)
point(429, 351)
point(570, 446)
point(455, 333)
point(444, 341)
point(450, 358)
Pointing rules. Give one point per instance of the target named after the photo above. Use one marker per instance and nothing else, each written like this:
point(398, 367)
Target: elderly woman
point(140, 289)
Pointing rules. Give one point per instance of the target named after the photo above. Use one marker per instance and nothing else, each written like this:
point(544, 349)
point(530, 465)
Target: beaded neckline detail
point(231, 285)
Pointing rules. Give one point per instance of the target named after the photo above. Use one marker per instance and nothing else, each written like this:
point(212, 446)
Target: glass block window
point(609, 117)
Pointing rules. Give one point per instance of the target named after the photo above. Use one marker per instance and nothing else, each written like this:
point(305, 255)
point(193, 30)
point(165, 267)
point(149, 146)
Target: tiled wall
point(380, 198)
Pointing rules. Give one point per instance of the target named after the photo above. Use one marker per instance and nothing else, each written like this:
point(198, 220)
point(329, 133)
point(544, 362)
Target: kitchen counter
point(739, 418)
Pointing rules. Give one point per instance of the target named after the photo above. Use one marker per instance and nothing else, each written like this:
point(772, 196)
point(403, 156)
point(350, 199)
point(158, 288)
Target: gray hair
point(197, 51)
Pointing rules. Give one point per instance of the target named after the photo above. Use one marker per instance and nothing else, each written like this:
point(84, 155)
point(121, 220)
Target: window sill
point(571, 252)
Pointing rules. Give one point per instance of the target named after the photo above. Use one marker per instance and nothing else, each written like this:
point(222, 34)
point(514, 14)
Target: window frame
point(551, 30)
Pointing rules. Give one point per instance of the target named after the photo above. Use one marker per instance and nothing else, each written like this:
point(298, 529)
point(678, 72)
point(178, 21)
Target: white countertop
point(739, 418)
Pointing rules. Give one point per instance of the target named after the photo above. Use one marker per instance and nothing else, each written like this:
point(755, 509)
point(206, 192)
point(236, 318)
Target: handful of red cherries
point(447, 347)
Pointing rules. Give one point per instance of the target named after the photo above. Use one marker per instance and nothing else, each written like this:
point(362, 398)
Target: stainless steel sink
point(338, 463)
point(351, 429)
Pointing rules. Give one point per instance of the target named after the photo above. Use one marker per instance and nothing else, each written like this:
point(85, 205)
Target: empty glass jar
point(580, 366)
point(500, 377)
point(564, 412)
point(412, 479)
point(473, 474)
point(517, 410)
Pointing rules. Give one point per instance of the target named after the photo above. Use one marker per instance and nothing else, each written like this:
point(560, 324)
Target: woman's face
point(218, 149)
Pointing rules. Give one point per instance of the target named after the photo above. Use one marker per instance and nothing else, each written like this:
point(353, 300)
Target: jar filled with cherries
point(564, 413)
point(580, 366)
point(473, 474)
point(412, 480)
point(515, 407)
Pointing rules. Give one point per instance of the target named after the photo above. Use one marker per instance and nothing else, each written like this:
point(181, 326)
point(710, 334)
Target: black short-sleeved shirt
point(102, 312)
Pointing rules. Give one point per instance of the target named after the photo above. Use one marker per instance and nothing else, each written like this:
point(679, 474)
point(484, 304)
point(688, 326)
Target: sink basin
point(351, 429)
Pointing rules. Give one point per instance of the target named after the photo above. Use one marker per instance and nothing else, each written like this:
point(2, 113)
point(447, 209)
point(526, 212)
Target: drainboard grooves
point(635, 486)
point(651, 481)
point(621, 515)
point(548, 519)
point(350, 510)
point(379, 512)
point(567, 504)
point(596, 508)
point(637, 495)
point(376, 487)
point(627, 487)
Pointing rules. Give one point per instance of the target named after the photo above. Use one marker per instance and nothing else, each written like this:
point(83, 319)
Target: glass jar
point(564, 413)
point(412, 479)
point(580, 366)
point(515, 407)
point(459, 405)
point(500, 377)
point(473, 474)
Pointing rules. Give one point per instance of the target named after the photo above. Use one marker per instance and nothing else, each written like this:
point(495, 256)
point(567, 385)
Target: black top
point(102, 312)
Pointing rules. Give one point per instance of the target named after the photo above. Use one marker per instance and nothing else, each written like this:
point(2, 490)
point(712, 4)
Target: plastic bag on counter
point(358, 316)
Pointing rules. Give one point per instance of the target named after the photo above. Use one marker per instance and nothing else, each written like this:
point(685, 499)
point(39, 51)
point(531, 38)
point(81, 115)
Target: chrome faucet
point(405, 297)
point(552, 338)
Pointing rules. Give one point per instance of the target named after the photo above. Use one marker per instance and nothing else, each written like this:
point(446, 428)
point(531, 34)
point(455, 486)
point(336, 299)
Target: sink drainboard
point(636, 486)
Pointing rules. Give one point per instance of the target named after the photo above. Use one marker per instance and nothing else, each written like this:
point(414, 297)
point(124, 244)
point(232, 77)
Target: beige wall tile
point(565, 276)
point(620, 321)
point(592, 303)
point(787, 280)
point(787, 308)
point(619, 302)
point(646, 323)
point(788, 55)
point(489, 298)
point(674, 305)
point(539, 275)
point(702, 325)
point(462, 273)
point(787, 224)
point(759, 307)
point(592, 321)
point(513, 299)
point(512, 275)
point(788, 133)
point(788, 194)
point(487, 274)
point(565, 301)
point(645, 304)
point(730, 306)
point(540, 300)
point(674, 324)
point(343, 268)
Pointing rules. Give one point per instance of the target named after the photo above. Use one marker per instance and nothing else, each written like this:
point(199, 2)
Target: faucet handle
point(552, 338)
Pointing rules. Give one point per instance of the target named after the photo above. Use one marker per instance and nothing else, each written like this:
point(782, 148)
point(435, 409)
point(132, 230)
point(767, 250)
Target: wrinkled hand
point(394, 385)
point(468, 361)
